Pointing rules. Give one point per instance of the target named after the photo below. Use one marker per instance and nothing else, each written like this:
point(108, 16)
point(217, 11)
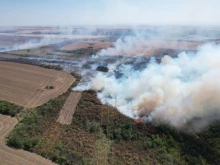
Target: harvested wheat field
point(9, 156)
point(66, 113)
point(30, 86)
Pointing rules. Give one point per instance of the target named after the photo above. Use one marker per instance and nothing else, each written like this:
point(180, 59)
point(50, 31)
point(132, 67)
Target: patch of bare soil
point(66, 113)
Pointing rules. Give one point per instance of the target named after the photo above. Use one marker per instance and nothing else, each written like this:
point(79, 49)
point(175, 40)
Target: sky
point(109, 12)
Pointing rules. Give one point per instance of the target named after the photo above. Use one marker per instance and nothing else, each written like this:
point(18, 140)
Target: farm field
point(10, 40)
point(145, 47)
point(79, 49)
point(8, 56)
point(9, 156)
point(30, 86)
point(86, 44)
point(66, 113)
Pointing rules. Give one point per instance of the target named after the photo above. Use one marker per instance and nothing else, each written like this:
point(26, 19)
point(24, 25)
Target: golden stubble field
point(26, 85)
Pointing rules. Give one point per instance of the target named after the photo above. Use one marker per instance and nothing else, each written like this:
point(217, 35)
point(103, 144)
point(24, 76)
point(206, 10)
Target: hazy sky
point(93, 12)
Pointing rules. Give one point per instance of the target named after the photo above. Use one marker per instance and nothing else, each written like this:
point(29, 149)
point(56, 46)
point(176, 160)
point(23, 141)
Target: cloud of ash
point(183, 92)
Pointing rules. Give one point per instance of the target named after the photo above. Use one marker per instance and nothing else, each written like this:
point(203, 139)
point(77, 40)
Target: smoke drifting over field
point(183, 91)
point(127, 46)
point(32, 44)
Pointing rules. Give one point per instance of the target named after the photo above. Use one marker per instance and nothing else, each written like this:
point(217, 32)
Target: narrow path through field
point(66, 113)
point(9, 156)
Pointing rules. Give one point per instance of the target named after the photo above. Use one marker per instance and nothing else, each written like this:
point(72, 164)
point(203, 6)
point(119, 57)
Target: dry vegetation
point(26, 85)
point(83, 48)
point(9, 156)
point(87, 44)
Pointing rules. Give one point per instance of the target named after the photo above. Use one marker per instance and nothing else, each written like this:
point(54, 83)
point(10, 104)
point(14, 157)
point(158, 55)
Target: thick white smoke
point(139, 45)
point(128, 46)
point(183, 91)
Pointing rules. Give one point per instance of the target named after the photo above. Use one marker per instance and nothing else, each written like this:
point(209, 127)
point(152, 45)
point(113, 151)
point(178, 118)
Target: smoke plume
point(32, 44)
point(183, 92)
point(134, 45)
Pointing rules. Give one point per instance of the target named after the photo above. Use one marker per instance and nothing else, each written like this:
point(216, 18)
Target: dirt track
point(9, 156)
point(25, 85)
point(66, 113)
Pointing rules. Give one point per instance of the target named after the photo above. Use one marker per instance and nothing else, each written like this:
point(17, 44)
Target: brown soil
point(25, 85)
point(8, 56)
point(66, 113)
point(9, 156)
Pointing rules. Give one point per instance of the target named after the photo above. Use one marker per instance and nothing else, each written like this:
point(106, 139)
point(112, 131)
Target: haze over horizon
point(109, 12)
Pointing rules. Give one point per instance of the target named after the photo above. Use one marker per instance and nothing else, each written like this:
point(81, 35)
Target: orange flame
point(137, 121)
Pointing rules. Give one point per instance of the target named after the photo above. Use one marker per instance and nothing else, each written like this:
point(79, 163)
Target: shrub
point(7, 108)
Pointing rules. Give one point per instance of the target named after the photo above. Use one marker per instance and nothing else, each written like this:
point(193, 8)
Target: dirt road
point(66, 113)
